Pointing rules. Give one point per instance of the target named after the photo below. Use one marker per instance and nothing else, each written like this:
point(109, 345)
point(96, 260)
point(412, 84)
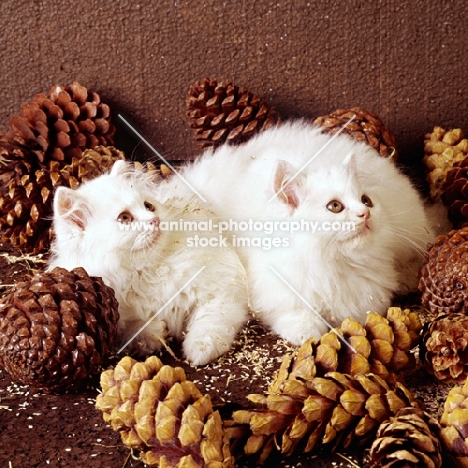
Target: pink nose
point(365, 214)
point(155, 221)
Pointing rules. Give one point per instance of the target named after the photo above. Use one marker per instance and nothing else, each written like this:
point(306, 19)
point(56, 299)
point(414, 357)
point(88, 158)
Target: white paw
point(202, 350)
point(297, 331)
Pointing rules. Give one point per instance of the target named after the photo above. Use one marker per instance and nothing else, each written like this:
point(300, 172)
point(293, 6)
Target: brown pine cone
point(163, 415)
point(26, 206)
point(444, 347)
point(410, 438)
point(57, 328)
point(366, 126)
point(442, 149)
point(454, 422)
point(222, 112)
point(454, 193)
point(443, 277)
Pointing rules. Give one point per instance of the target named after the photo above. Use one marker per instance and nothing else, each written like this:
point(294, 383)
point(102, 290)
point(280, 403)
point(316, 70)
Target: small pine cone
point(163, 415)
point(57, 328)
point(366, 126)
point(382, 347)
point(334, 412)
point(454, 193)
point(444, 347)
point(410, 438)
point(442, 149)
point(454, 423)
point(443, 277)
point(223, 112)
point(26, 204)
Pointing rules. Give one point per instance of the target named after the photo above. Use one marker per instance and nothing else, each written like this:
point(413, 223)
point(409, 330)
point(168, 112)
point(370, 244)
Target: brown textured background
point(403, 60)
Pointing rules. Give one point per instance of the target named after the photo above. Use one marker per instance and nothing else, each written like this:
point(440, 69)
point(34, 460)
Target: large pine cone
point(26, 206)
point(222, 112)
point(410, 438)
point(57, 328)
point(163, 416)
point(454, 422)
point(442, 149)
point(455, 193)
point(366, 126)
point(334, 412)
point(382, 347)
point(443, 277)
point(50, 133)
point(444, 347)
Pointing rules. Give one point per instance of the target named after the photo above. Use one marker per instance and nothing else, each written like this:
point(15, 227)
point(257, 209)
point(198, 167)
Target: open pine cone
point(410, 438)
point(222, 112)
point(57, 329)
point(443, 277)
point(366, 126)
point(442, 149)
point(163, 416)
point(454, 422)
point(444, 347)
point(50, 133)
point(455, 193)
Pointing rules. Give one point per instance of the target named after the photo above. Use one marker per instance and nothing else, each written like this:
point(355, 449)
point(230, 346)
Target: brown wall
point(406, 61)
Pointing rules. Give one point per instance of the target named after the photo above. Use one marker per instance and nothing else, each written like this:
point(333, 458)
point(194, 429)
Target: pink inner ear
point(71, 208)
point(285, 188)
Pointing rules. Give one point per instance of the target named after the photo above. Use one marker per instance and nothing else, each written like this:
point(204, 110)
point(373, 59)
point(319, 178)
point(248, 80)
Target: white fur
point(147, 268)
point(337, 274)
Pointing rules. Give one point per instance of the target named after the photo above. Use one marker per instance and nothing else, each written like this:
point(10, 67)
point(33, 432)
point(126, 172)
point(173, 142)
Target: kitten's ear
point(350, 161)
point(287, 184)
point(71, 208)
point(120, 167)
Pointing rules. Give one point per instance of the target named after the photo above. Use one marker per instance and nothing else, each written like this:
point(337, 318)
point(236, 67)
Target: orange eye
point(125, 217)
point(367, 201)
point(335, 206)
point(149, 206)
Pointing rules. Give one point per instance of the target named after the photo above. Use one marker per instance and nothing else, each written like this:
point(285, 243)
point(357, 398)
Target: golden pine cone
point(442, 149)
point(382, 347)
point(222, 112)
point(454, 423)
point(455, 193)
point(443, 277)
point(410, 438)
point(57, 328)
point(163, 415)
point(366, 126)
point(444, 347)
point(333, 412)
point(26, 204)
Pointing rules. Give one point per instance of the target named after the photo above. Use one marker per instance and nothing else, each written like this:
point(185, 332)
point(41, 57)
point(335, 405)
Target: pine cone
point(444, 347)
point(26, 207)
point(164, 416)
point(455, 193)
point(333, 412)
point(57, 328)
point(382, 347)
point(410, 438)
point(443, 277)
point(49, 134)
point(223, 112)
point(366, 126)
point(454, 422)
point(442, 149)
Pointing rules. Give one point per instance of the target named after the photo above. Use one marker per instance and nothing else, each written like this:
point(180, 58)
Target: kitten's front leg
point(142, 338)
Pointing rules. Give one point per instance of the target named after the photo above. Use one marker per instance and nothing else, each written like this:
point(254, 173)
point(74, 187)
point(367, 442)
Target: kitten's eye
point(367, 201)
point(335, 206)
point(125, 217)
point(149, 206)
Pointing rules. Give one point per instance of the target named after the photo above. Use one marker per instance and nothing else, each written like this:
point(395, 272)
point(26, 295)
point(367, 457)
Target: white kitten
point(294, 173)
point(112, 226)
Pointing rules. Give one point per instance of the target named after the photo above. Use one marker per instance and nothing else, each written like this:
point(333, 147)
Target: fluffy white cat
point(113, 227)
point(370, 224)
